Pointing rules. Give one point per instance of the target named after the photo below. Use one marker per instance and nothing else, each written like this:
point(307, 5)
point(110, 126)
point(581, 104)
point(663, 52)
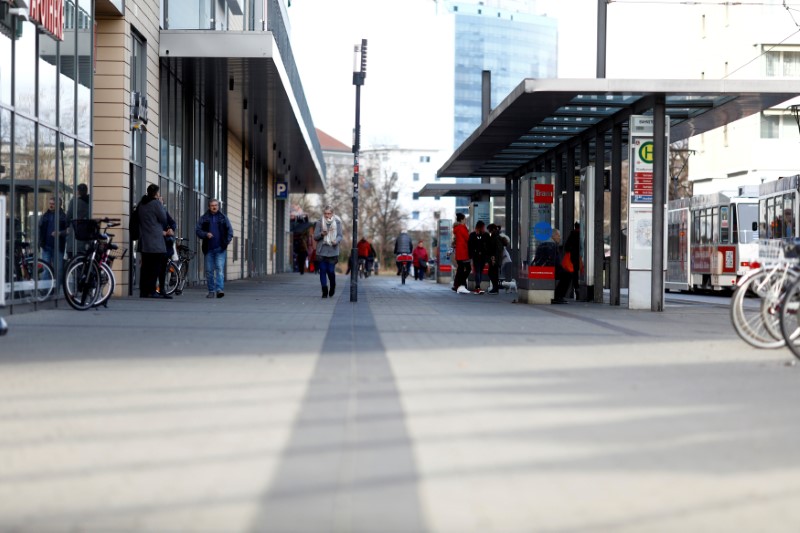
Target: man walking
point(216, 231)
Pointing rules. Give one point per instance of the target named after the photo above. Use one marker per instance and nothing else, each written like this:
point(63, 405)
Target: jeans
point(215, 270)
point(462, 272)
point(479, 264)
point(327, 270)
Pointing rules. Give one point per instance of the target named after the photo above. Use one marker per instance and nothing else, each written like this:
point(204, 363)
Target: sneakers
point(453, 289)
point(463, 290)
point(478, 291)
point(211, 295)
point(558, 301)
point(493, 292)
point(220, 294)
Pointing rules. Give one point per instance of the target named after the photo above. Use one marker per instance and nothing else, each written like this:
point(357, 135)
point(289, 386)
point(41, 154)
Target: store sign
point(281, 190)
point(49, 16)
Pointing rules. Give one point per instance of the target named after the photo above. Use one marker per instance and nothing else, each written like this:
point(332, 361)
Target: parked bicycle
point(177, 272)
point(88, 278)
point(33, 279)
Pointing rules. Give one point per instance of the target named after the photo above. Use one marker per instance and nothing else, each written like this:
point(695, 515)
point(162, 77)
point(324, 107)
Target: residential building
point(756, 41)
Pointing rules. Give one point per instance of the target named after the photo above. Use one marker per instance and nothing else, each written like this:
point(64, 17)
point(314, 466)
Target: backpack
point(134, 225)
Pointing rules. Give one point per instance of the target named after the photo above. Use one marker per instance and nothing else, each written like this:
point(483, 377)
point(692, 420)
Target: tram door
point(586, 202)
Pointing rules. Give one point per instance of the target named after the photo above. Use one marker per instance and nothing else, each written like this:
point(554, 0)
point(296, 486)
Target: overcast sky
point(408, 92)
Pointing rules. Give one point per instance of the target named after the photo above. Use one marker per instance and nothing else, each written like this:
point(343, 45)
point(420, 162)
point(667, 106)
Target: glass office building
point(46, 144)
point(509, 40)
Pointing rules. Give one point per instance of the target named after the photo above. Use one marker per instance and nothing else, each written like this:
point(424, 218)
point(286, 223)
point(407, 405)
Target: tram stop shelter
point(551, 131)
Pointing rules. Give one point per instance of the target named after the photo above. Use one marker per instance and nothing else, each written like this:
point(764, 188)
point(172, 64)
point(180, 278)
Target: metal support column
point(616, 212)
point(599, 213)
point(659, 202)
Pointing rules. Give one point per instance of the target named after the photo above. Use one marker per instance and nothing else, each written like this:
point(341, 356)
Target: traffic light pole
point(359, 73)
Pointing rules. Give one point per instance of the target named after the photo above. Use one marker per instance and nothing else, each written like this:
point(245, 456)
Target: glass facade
point(513, 46)
point(192, 145)
point(45, 153)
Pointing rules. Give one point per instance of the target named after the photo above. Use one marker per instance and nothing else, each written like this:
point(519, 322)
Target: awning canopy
point(542, 117)
point(463, 189)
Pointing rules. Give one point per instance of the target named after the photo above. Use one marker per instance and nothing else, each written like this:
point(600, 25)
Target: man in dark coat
point(478, 245)
point(216, 231)
point(53, 226)
point(495, 254)
point(152, 221)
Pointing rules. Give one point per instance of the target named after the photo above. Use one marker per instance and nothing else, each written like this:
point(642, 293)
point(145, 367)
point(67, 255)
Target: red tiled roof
point(329, 144)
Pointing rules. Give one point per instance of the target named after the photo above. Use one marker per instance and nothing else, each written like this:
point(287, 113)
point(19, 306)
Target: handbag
point(566, 263)
point(423, 263)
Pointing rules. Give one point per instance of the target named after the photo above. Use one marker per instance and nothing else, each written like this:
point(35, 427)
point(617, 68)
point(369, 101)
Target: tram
point(711, 240)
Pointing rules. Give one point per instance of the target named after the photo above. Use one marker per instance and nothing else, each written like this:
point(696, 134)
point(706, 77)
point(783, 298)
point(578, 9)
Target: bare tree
point(383, 217)
point(679, 184)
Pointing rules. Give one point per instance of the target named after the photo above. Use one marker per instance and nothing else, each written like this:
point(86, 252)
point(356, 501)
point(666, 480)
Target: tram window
point(724, 225)
point(788, 215)
point(771, 222)
point(715, 225)
point(695, 228)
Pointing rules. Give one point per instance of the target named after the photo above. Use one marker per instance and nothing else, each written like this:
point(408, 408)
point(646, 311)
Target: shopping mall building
point(201, 97)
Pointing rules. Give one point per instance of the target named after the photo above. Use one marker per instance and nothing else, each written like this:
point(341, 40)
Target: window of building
point(394, 195)
point(415, 196)
point(778, 124)
point(424, 159)
point(415, 215)
point(416, 176)
point(436, 197)
point(782, 63)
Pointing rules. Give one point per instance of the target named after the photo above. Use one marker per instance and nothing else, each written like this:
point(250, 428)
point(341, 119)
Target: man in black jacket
point(478, 245)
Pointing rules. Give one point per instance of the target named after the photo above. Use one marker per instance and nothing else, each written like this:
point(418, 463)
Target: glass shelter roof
point(543, 117)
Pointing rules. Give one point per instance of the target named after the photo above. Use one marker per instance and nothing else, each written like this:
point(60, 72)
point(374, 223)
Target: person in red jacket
point(420, 261)
point(461, 249)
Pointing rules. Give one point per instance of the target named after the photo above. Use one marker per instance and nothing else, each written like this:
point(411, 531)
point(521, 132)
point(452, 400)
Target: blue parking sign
point(281, 190)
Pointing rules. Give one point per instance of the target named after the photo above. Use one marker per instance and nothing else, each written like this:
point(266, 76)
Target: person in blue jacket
point(216, 231)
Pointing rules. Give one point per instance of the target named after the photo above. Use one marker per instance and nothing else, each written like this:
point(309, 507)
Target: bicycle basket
point(116, 254)
point(85, 229)
point(185, 253)
point(773, 252)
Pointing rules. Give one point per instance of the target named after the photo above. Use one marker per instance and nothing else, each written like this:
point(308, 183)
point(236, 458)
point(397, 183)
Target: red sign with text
point(49, 16)
point(543, 193)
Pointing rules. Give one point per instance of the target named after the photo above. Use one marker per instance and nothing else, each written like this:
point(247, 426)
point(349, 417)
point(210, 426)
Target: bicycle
point(405, 261)
point(364, 267)
point(177, 273)
point(88, 278)
point(762, 325)
point(32, 282)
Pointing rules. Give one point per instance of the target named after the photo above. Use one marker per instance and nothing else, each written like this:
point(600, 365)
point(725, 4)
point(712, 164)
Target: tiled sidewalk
point(415, 409)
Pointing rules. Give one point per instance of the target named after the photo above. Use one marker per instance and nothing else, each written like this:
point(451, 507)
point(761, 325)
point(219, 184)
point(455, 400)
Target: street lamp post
point(359, 73)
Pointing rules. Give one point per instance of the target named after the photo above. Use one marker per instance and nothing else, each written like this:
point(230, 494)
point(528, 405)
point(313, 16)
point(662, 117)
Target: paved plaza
point(413, 410)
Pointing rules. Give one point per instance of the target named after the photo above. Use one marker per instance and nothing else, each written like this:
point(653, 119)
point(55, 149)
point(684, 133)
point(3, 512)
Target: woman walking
point(328, 235)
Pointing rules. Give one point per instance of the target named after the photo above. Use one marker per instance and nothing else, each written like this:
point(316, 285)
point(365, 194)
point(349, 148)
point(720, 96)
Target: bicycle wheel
point(404, 274)
point(790, 318)
point(171, 278)
point(42, 280)
point(81, 283)
point(107, 285)
point(782, 281)
point(182, 273)
point(748, 320)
